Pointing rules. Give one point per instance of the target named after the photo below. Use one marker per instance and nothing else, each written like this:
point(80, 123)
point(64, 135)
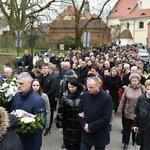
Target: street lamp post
point(31, 19)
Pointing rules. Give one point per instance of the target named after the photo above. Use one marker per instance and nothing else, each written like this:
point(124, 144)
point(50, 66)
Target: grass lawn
point(21, 53)
point(8, 55)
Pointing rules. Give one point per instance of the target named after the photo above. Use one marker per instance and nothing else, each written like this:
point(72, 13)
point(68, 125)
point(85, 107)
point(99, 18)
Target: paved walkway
point(54, 140)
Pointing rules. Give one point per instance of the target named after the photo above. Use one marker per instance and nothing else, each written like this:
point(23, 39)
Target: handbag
point(139, 137)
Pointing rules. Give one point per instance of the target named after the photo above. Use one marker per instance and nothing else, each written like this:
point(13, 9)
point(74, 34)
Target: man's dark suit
point(50, 86)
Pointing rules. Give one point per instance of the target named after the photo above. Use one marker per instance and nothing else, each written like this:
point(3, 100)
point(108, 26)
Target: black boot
point(47, 132)
point(125, 147)
point(109, 127)
point(63, 146)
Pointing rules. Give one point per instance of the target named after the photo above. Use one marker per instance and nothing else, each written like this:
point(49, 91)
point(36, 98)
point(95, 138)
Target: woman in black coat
point(111, 85)
point(66, 119)
point(142, 117)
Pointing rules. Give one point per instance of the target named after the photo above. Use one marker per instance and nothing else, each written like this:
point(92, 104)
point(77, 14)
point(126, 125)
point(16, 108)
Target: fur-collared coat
point(8, 124)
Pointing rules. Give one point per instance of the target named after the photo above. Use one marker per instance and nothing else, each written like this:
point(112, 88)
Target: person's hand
point(124, 87)
point(136, 129)
point(120, 111)
point(56, 99)
point(60, 130)
point(81, 114)
point(107, 91)
point(26, 67)
point(86, 127)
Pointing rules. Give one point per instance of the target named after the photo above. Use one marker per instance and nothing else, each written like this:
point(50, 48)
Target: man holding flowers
point(31, 102)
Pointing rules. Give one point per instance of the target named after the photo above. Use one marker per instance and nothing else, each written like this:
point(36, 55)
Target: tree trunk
point(78, 32)
point(78, 40)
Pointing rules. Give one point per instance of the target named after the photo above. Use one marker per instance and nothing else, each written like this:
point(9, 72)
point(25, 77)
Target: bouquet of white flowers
point(8, 88)
point(28, 123)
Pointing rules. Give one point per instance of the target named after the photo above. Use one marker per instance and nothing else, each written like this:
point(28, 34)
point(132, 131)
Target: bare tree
point(79, 8)
point(16, 12)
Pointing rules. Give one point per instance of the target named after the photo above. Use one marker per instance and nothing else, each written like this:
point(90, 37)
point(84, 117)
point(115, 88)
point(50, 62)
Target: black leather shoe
point(133, 143)
point(125, 147)
point(63, 146)
point(46, 133)
point(110, 127)
point(122, 131)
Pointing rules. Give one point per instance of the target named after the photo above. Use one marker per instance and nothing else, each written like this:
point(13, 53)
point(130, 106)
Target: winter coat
point(33, 103)
point(125, 79)
point(83, 74)
point(112, 84)
point(129, 100)
point(8, 124)
point(67, 119)
point(97, 114)
point(47, 105)
point(28, 61)
point(50, 85)
point(142, 119)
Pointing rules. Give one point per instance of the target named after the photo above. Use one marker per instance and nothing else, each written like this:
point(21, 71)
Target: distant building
point(64, 25)
point(129, 22)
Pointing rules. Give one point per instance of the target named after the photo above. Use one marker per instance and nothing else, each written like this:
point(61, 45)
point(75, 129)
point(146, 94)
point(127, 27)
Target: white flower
point(2, 90)
point(8, 89)
point(12, 90)
point(10, 97)
point(12, 84)
point(19, 113)
point(5, 85)
point(7, 93)
point(27, 119)
point(14, 80)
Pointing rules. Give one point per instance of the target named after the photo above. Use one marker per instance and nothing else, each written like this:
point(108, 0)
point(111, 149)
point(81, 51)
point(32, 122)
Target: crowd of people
point(89, 88)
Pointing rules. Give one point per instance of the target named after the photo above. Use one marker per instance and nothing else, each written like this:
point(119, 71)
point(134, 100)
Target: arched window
point(127, 25)
point(141, 25)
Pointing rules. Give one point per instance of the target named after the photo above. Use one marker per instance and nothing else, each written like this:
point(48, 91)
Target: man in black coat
point(83, 71)
point(27, 61)
point(95, 110)
point(50, 82)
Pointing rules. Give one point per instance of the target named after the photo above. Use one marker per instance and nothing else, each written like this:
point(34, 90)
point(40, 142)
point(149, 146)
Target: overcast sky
point(95, 6)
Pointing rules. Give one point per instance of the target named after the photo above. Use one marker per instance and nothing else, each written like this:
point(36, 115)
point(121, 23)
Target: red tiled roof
point(126, 34)
point(122, 8)
point(70, 12)
point(138, 14)
point(59, 22)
